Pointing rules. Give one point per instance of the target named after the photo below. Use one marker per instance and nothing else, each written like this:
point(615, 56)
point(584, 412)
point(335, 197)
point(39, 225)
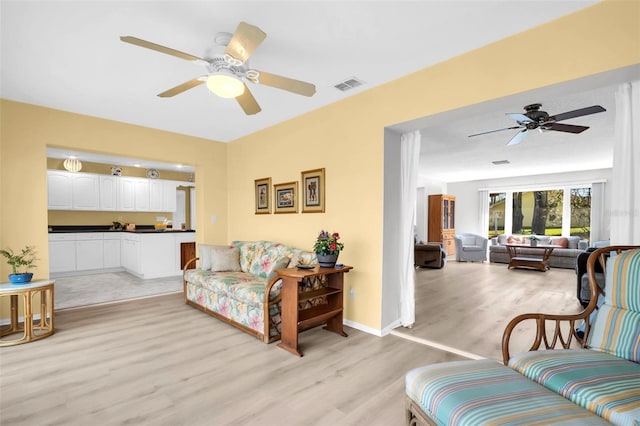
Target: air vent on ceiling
point(500, 162)
point(348, 84)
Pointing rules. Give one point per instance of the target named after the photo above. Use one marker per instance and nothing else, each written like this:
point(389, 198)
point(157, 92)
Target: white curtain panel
point(409, 158)
point(625, 180)
point(598, 231)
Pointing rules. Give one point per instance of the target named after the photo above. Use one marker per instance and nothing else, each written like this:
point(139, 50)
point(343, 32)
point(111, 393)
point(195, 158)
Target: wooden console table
point(535, 261)
point(30, 330)
point(294, 319)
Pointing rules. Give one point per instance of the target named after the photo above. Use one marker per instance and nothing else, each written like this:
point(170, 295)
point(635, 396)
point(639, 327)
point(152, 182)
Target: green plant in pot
point(21, 263)
point(327, 248)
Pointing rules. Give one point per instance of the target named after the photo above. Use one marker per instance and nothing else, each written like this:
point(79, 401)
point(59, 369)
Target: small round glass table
point(26, 324)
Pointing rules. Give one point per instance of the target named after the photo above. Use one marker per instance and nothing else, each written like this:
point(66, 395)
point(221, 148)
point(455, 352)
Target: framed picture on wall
point(286, 197)
point(313, 191)
point(263, 195)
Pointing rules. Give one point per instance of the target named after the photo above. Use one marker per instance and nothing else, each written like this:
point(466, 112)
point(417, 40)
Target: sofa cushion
point(604, 384)
point(485, 392)
point(242, 286)
point(616, 329)
point(472, 248)
point(225, 259)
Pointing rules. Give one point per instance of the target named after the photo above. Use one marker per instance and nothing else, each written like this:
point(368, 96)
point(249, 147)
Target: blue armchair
point(471, 247)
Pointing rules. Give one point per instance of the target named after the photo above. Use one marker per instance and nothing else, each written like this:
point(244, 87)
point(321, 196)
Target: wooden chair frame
point(564, 337)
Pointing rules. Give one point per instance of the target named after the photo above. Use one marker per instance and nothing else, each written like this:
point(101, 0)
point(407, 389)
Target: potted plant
point(533, 240)
point(327, 248)
point(21, 263)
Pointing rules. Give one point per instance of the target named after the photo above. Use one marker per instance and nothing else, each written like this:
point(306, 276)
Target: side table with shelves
point(30, 329)
point(295, 319)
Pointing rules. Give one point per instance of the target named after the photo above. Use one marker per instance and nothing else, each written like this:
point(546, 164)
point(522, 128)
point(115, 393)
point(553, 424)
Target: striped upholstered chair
point(582, 381)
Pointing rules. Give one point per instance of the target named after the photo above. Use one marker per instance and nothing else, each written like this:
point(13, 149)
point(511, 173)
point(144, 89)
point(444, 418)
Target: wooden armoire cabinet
point(441, 222)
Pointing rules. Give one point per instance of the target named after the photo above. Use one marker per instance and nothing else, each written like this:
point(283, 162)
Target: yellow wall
point(345, 138)
point(27, 130)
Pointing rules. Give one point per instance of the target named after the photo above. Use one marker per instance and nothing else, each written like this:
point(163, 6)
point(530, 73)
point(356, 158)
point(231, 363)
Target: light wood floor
point(157, 361)
point(468, 305)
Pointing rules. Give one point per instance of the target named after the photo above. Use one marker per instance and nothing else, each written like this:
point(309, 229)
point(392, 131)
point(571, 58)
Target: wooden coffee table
point(25, 296)
point(538, 260)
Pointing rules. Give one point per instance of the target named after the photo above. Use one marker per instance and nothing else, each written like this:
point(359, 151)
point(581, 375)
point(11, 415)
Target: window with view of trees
point(581, 212)
point(541, 212)
point(537, 212)
point(496, 213)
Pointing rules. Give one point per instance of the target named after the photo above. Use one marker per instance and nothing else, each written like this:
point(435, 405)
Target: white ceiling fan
point(228, 73)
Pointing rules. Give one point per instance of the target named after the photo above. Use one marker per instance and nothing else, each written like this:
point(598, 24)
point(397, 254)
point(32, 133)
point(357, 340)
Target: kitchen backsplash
point(59, 217)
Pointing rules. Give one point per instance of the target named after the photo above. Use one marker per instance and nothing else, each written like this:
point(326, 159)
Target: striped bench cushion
point(483, 392)
point(604, 384)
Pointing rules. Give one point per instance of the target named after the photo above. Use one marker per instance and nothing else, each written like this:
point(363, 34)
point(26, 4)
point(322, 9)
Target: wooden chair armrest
point(188, 264)
point(562, 336)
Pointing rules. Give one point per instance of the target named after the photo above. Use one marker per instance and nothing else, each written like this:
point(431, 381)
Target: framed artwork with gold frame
point(285, 197)
point(263, 195)
point(313, 191)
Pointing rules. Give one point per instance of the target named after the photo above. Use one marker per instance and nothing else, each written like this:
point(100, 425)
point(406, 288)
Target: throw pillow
point(204, 253)
point(514, 240)
point(281, 263)
point(562, 242)
point(225, 259)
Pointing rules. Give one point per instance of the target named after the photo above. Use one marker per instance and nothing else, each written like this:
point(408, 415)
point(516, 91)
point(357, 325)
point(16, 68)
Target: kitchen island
point(143, 252)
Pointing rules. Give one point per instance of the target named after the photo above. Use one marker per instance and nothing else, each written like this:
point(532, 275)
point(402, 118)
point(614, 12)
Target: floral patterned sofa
point(238, 283)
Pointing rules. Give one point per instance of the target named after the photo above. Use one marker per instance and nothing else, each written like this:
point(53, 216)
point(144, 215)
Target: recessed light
point(137, 165)
point(179, 166)
point(500, 162)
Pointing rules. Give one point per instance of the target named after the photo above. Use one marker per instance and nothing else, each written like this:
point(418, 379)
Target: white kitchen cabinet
point(156, 195)
point(108, 193)
point(141, 190)
point(85, 191)
point(112, 250)
point(126, 195)
point(59, 190)
point(169, 196)
point(130, 252)
point(62, 253)
point(89, 251)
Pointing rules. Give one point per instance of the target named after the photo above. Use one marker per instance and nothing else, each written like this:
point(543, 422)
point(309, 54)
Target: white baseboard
point(361, 327)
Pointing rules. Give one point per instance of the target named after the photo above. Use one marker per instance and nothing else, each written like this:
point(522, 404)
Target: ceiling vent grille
point(348, 84)
point(500, 162)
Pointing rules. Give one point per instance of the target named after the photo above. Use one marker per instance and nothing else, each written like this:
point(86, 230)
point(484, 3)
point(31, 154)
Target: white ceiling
point(67, 55)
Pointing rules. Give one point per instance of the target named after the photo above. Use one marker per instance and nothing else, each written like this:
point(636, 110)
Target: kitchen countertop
point(140, 229)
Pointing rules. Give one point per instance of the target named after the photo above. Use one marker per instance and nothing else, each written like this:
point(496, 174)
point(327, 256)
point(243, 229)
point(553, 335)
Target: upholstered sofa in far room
point(563, 379)
point(563, 257)
point(238, 283)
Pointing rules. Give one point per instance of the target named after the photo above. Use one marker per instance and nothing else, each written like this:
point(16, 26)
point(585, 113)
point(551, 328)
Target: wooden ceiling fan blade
point(159, 48)
point(248, 103)
point(569, 128)
point(244, 41)
point(285, 83)
point(577, 113)
point(518, 137)
point(182, 88)
point(493, 131)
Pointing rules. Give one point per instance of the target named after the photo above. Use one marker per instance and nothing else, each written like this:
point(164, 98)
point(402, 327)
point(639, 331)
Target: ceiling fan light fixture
point(225, 85)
